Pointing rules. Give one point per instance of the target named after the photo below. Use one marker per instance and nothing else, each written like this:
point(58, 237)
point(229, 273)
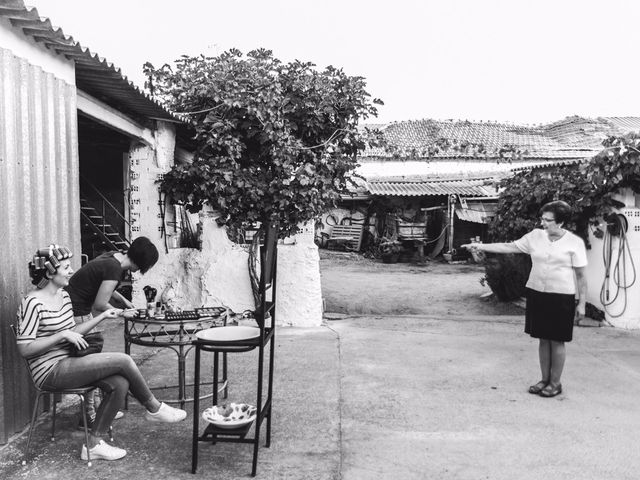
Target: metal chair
point(81, 392)
point(225, 340)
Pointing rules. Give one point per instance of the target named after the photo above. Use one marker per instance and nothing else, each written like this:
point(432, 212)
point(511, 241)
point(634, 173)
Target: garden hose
point(615, 274)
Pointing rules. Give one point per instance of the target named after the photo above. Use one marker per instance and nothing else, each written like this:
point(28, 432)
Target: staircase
point(98, 236)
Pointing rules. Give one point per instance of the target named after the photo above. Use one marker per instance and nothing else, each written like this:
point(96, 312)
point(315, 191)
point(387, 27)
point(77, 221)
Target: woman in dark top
point(93, 287)
point(47, 331)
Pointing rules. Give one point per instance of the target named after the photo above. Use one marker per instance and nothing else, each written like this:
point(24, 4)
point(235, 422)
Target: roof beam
point(109, 116)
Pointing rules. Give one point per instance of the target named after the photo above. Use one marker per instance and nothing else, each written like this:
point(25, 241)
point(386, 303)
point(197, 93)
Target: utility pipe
point(451, 211)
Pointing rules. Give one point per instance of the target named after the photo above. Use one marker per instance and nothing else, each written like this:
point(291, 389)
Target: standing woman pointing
point(556, 281)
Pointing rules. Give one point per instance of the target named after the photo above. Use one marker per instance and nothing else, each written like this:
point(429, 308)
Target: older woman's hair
point(46, 261)
point(562, 211)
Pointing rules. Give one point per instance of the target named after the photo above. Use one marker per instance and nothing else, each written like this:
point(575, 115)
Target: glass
point(547, 220)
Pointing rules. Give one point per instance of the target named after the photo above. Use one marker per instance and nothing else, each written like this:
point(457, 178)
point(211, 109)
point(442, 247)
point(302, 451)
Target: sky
point(516, 61)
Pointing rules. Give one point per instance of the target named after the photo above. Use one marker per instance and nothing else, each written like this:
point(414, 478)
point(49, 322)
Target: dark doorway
point(103, 155)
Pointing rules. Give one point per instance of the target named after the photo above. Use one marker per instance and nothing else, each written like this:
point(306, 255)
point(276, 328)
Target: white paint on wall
point(147, 163)
point(621, 305)
point(165, 145)
point(386, 168)
point(299, 290)
point(218, 275)
point(13, 39)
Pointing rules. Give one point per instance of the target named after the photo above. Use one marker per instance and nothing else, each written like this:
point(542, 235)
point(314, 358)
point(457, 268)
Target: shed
point(58, 101)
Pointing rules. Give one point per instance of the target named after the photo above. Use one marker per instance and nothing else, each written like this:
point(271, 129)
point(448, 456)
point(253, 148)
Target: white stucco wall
point(13, 39)
point(624, 311)
point(147, 163)
point(299, 287)
point(218, 275)
point(383, 168)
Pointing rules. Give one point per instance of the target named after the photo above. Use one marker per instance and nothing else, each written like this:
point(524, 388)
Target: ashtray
point(232, 415)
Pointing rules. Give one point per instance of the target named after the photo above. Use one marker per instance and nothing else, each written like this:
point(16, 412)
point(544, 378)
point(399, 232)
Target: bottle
point(151, 309)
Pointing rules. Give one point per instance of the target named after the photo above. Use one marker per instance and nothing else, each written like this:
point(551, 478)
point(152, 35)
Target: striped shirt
point(36, 321)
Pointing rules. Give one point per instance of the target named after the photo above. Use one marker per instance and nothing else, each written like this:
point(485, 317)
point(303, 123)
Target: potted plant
point(390, 249)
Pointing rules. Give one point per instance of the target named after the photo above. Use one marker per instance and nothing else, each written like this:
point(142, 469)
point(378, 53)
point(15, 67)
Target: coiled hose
point(615, 272)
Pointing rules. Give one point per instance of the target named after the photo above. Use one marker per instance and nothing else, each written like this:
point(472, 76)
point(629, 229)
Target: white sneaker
point(103, 451)
point(166, 414)
point(119, 415)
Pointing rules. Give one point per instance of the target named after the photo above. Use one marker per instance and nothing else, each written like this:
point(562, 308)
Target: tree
point(275, 141)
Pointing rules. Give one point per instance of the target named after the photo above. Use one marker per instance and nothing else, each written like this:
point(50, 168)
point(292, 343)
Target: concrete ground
point(391, 397)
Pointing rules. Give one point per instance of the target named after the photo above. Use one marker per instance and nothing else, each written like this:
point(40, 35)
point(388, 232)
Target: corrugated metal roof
point(537, 165)
point(94, 74)
point(416, 186)
point(477, 212)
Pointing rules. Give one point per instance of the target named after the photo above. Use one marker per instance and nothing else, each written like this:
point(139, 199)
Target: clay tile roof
point(581, 132)
point(531, 141)
point(623, 124)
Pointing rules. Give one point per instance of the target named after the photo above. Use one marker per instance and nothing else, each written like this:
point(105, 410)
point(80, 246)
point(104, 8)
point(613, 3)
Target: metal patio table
point(177, 334)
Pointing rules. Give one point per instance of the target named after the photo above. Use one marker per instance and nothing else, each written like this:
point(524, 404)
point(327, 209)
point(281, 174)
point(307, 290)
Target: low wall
point(218, 275)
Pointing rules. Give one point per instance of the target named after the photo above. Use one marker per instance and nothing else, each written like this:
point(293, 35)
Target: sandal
point(537, 388)
point(551, 391)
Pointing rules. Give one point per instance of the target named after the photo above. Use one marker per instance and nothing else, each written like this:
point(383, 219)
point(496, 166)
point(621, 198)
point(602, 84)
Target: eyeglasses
point(547, 220)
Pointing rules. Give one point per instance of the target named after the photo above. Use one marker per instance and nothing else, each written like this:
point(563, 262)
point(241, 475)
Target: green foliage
point(507, 275)
point(275, 141)
point(588, 187)
point(526, 192)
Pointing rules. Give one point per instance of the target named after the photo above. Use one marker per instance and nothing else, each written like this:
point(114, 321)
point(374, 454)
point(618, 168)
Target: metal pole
point(451, 209)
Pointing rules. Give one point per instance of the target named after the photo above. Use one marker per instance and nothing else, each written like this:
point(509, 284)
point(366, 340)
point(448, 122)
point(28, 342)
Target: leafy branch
point(588, 187)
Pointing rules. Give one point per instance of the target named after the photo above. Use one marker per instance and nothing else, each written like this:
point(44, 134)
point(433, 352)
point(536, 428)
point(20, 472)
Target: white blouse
point(553, 262)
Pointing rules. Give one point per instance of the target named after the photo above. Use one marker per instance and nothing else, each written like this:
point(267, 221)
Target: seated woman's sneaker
point(103, 451)
point(166, 414)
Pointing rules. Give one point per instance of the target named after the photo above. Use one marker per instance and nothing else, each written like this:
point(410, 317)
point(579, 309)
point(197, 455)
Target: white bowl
point(241, 415)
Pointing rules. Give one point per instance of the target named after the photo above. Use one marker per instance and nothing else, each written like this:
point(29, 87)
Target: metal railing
point(104, 204)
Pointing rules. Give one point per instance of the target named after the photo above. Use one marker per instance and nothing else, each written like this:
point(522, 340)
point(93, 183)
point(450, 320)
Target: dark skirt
point(550, 315)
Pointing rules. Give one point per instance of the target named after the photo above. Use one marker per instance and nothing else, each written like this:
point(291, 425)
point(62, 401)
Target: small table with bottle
point(174, 330)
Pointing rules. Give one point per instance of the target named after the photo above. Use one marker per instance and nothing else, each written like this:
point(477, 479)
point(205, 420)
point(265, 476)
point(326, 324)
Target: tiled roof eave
point(418, 187)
